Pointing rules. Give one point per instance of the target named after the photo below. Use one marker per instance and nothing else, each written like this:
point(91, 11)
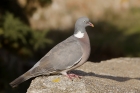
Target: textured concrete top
point(121, 75)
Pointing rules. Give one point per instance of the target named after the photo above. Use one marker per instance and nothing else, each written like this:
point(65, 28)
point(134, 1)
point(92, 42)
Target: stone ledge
point(121, 75)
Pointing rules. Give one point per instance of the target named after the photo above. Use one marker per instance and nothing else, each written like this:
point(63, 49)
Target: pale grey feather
point(63, 55)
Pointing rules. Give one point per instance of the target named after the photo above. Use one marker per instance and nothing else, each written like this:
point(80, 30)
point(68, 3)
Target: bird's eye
point(84, 21)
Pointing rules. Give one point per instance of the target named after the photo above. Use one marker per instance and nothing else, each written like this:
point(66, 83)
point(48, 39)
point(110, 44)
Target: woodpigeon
point(65, 56)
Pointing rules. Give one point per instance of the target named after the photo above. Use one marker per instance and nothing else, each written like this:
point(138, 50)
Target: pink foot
point(70, 76)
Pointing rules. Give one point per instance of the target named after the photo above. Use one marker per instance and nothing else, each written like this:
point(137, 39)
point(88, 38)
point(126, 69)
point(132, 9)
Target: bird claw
point(71, 76)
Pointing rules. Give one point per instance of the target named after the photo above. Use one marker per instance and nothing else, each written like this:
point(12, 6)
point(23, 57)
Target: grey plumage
point(65, 56)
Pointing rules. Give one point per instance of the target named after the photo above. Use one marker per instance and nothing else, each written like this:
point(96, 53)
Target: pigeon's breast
point(85, 45)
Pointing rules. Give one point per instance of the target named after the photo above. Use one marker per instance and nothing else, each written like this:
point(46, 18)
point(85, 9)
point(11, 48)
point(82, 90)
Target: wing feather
point(63, 56)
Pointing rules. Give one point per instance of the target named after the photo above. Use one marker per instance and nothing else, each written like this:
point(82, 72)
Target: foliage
point(15, 35)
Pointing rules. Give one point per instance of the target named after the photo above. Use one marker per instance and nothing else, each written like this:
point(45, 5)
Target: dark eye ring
point(84, 21)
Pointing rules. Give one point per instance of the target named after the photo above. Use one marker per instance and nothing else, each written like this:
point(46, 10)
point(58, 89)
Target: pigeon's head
point(80, 26)
point(83, 22)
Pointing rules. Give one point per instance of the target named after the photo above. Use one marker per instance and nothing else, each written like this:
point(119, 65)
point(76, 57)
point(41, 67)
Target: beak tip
point(91, 24)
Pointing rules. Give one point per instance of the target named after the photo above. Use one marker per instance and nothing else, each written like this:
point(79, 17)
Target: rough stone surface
point(121, 75)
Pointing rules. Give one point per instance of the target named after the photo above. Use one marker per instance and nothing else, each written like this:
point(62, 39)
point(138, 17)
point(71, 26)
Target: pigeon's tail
point(19, 80)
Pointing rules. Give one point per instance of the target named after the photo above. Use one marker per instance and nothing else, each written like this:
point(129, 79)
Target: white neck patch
point(79, 34)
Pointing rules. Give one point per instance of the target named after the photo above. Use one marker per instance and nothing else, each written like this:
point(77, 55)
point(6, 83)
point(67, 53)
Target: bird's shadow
point(116, 78)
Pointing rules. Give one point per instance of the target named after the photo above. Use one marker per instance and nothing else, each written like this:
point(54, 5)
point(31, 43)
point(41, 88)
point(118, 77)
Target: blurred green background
point(30, 28)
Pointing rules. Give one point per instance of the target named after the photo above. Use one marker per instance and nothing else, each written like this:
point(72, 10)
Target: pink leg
point(70, 75)
point(73, 76)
